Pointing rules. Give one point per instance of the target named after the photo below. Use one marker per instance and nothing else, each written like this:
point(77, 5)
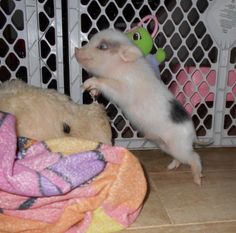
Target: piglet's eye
point(103, 46)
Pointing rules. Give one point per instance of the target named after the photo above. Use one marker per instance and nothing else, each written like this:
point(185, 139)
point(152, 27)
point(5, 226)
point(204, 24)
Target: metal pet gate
point(37, 40)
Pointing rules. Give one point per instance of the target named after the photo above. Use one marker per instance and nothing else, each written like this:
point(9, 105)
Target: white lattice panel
point(31, 42)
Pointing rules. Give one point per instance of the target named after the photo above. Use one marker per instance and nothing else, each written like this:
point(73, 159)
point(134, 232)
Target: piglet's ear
point(129, 53)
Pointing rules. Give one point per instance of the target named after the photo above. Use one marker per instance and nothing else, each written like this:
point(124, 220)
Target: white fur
point(41, 114)
point(125, 77)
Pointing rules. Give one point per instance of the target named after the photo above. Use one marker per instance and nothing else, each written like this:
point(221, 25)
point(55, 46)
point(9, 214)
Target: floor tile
point(212, 159)
point(218, 227)
point(153, 213)
point(185, 202)
point(218, 158)
point(177, 205)
point(153, 160)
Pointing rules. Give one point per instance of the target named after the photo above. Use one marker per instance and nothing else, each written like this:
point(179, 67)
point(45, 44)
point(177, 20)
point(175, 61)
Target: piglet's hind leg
point(185, 154)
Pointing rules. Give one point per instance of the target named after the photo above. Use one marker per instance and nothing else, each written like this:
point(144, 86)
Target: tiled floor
point(176, 205)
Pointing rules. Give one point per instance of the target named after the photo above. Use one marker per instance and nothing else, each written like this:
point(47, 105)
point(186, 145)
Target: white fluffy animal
point(44, 114)
point(122, 74)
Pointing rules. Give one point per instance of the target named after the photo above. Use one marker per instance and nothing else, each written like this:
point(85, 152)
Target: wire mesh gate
point(37, 40)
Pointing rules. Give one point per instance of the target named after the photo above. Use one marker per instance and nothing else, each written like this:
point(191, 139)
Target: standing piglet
point(123, 75)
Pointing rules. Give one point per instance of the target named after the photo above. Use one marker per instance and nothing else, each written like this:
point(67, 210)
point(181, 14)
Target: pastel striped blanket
point(66, 185)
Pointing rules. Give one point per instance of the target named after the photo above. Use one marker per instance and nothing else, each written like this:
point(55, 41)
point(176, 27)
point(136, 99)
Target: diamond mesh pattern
point(12, 46)
point(230, 105)
point(47, 45)
point(27, 52)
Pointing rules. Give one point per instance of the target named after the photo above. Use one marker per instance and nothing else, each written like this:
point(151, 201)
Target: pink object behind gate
point(196, 85)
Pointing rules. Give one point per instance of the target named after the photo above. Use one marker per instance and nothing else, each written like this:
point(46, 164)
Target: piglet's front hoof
point(94, 93)
point(90, 84)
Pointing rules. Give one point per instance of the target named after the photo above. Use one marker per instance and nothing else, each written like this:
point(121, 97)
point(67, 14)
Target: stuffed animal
point(144, 41)
point(45, 114)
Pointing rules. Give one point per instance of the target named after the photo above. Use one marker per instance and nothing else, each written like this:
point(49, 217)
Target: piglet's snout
point(81, 55)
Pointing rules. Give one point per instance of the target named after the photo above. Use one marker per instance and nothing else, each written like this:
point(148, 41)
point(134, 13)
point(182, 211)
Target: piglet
point(121, 73)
